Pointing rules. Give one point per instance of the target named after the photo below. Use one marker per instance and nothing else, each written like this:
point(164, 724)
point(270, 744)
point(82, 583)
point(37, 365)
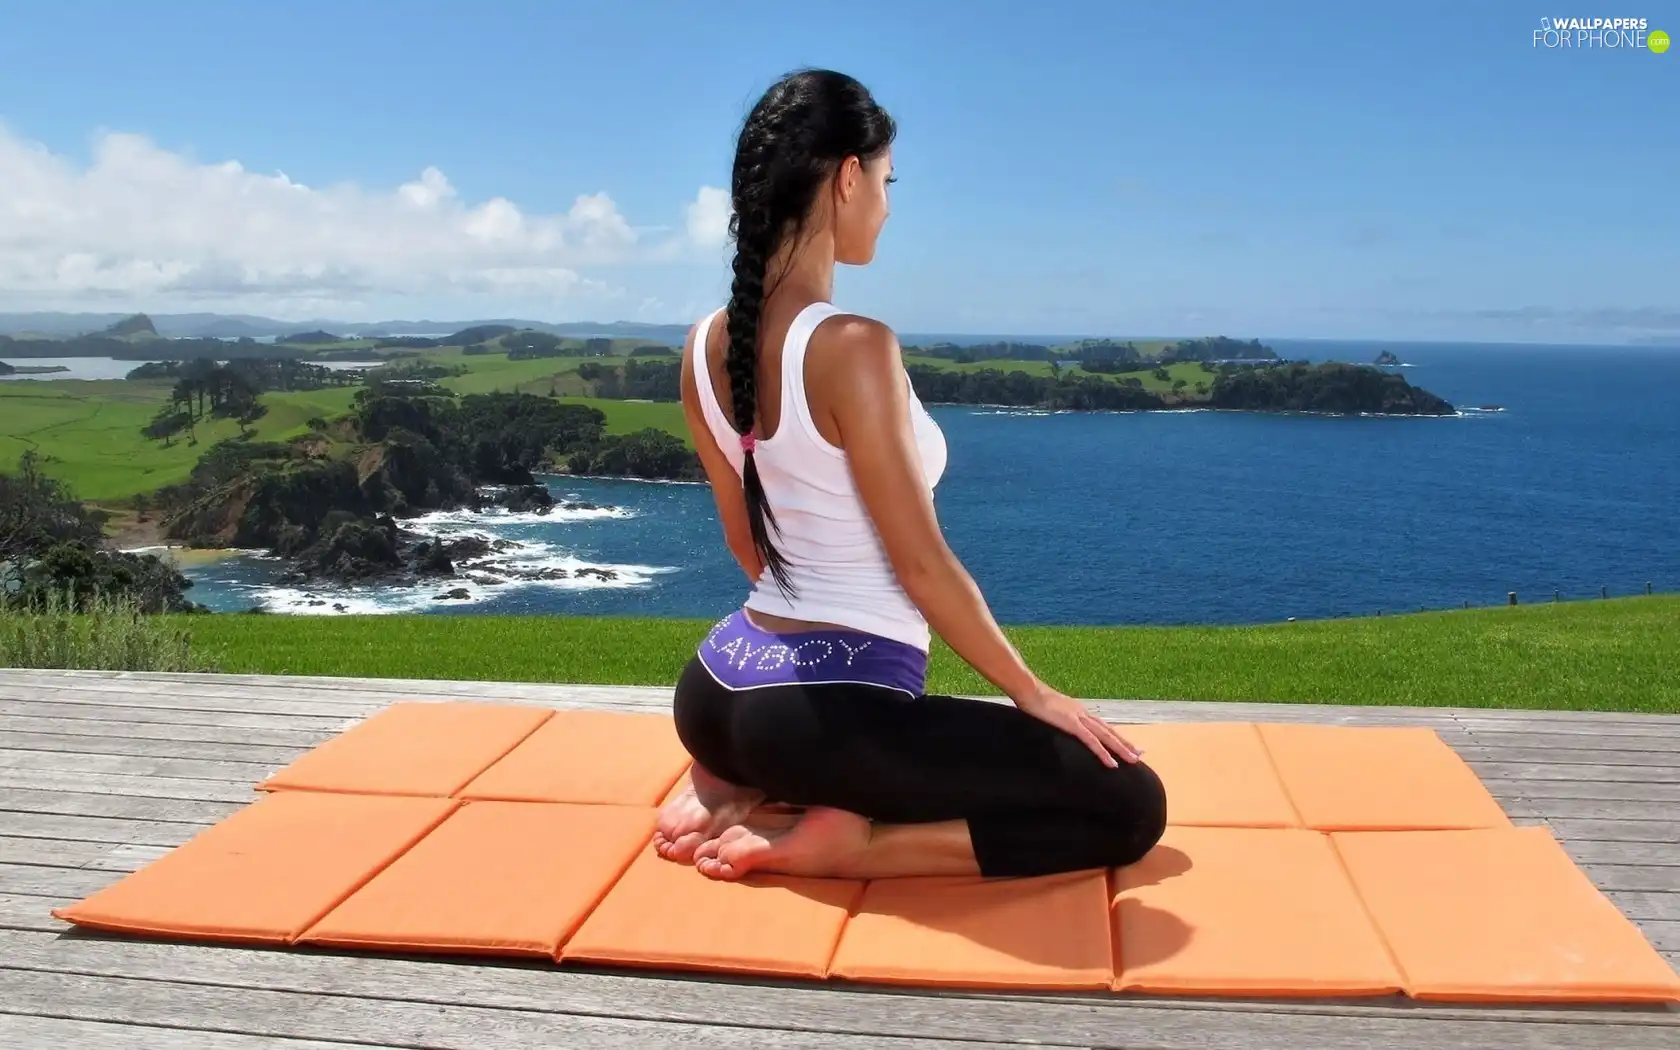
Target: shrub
point(112, 634)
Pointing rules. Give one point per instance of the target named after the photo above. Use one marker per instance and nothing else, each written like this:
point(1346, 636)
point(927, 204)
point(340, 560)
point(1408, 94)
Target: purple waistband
point(743, 656)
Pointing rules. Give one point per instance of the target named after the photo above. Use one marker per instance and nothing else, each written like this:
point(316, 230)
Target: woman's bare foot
point(703, 810)
point(820, 842)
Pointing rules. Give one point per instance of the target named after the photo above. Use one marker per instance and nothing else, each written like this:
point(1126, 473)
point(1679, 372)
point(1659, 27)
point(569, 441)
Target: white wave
point(455, 521)
point(518, 566)
point(568, 571)
point(356, 601)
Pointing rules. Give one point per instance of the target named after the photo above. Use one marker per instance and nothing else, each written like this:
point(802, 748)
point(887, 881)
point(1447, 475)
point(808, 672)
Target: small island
point(1388, 359)
point(30, 370)
point(1106, 374)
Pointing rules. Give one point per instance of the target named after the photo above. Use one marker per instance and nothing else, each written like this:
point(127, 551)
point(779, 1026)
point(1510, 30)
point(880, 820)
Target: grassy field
point(88, 432)
point(1618, 654)
point(626, 417)
point(493, 372)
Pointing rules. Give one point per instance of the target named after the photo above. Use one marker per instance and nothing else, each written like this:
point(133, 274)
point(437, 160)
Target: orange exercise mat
point(366, 843)
point(1047, 933)
point(1500, 914)
point(1217, 774)
point(1376, 778)
point(588, 756)
point(497, 877)
point(1245, 911)
point(664, 914)
point(266, 873)
point(413, 749)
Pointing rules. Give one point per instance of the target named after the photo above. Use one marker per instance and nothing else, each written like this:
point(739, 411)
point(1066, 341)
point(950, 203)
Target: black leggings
point(1036, 800)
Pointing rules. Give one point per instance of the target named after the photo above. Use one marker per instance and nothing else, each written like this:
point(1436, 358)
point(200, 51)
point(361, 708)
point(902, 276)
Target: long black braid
point(791, 144)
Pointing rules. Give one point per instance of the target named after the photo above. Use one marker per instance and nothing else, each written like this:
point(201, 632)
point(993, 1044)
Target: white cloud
point(151, 229)
point(708, 217)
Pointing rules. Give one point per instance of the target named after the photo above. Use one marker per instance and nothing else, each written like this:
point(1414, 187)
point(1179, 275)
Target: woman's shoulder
point(857, 359)
point(856, 338)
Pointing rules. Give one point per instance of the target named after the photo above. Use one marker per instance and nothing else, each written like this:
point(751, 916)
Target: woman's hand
point(1071, 716)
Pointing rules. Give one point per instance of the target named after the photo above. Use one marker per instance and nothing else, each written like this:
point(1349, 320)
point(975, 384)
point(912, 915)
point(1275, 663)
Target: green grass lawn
point(1590, 655)
point(1189, 371)
point(88, 432)
point(627, 417)
point(492, 372)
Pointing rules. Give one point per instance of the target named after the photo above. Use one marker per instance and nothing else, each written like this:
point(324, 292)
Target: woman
point(823, 462)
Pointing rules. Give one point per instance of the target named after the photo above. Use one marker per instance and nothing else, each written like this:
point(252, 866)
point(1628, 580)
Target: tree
point(169, 421)
point(36, 512)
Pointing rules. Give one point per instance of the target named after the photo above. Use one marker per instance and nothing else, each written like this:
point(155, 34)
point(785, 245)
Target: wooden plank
point(70, 699)
point(142, 747)
point(1656, 878)
point(1665, 764)
point(66, 802)
point(1493, 769)
point(1597, 852)
point(1588, 736)
point(1664, 936)
point(246, 773)
point(296, 739)
point(128, 856)
point(1570, 829)
point(1606, 723)
point(94, 856)
point(1631, 790)
point(1092, 1021)
point(1641, 906)
point(247, 719)
point(293, 1015)
point(32, 913)
point(122, 784)
point(1607, 809)
point(57, 853)
point(24, 1031)
point(209, 697)
point(106, 831)
point(38, 881)
point(1534, 715)
point(228, 694)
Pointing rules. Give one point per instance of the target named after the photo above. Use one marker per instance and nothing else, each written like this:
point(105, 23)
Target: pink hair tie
point(748, 443)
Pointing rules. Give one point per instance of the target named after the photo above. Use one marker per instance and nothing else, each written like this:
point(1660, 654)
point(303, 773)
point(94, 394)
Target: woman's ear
point(846, 182)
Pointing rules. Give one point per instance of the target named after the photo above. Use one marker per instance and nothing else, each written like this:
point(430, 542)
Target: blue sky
point(1257, 169)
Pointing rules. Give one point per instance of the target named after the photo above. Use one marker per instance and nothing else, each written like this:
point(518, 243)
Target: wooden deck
point(101, 772)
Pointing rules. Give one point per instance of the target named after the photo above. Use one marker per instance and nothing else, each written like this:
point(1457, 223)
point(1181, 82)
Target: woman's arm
point(868, 397)
point(726, 484)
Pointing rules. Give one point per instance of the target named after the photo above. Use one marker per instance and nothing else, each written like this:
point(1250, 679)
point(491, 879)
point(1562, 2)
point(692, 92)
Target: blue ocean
point(1570, 488)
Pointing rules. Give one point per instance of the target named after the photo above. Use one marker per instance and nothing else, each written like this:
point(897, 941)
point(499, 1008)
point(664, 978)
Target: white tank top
point(837, 568)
